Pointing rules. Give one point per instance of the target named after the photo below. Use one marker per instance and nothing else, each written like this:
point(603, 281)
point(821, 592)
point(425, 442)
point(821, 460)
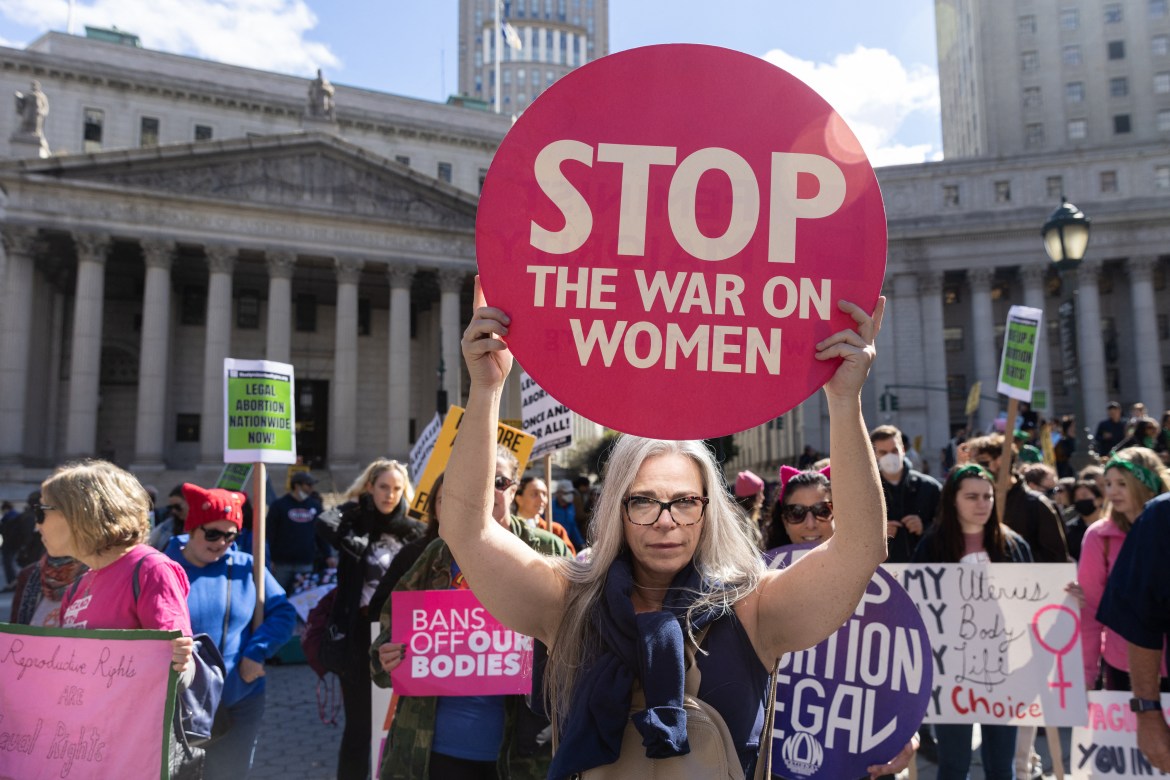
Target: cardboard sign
point(1018, 362)
point(259, 423)
point(1006, 641)
point(454, 647)
point(420, 453)
point(234, 476)
point(972, 404)
point(81, 704)
point(1107, 747)
point(674, 224)
point(857, 698)
point(518, 443)
point(548, 420)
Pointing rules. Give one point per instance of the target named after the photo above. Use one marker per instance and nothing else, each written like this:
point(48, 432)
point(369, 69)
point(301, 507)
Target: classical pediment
point(294, 173)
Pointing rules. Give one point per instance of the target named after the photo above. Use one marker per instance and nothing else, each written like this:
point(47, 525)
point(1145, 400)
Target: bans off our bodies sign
point(259, 416)
point(689, 241)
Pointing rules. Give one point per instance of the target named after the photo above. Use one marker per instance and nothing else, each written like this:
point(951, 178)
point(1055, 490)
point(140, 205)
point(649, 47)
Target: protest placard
point(234, 476)
point(1107, 747)
point(85, 704)
point(516, 441)
point(259, 415)
point(858, 697)
point(545, 418)
point(1018, 361)
point(1005, 639)
point(420, 453)
point(653, 256)
point(454, 647)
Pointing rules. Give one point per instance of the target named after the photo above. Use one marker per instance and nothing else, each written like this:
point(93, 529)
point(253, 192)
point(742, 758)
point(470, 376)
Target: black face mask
point(1085, 507)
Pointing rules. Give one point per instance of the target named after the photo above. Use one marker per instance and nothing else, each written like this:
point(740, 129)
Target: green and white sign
point(234, 476)
point(1017, 368)
point(259, 418)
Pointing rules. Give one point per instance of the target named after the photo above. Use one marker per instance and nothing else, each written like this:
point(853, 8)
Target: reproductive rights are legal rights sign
point(670, 229)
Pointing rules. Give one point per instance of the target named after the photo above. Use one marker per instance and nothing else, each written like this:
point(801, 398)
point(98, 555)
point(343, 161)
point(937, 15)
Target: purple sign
point(855, 699)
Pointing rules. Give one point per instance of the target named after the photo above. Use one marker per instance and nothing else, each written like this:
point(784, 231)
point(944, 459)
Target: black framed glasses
point(39, 512)
point(214, 535)
point(794, 514)
point(686, 510)
point(503, 483)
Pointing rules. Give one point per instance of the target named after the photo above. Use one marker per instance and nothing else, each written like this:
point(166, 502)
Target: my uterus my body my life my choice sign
point(670, 229)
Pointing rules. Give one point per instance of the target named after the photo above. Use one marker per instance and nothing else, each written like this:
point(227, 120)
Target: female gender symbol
point(1061, 683)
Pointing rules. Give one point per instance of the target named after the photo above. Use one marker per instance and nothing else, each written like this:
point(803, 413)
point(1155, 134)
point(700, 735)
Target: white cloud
point(265, 34)
point(875, 94)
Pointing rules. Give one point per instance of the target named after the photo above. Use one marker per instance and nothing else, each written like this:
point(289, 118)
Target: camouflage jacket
point(408, 748)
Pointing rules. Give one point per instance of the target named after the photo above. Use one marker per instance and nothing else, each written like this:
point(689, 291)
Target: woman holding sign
point(671, 560)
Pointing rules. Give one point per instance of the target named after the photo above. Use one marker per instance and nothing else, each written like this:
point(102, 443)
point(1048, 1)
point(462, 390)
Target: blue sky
point(874, 61)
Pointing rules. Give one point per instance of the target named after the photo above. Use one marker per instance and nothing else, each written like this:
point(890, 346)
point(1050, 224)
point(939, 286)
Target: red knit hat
point(207, 506)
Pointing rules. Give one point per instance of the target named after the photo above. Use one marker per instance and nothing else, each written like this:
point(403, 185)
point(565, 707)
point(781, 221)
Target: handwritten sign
point(84, 704)
point(857, 698)
point(1107, 747)
point(653, 256)
point(454, 647)
point(550, 421)
point(1005, 639)
point(420, 453)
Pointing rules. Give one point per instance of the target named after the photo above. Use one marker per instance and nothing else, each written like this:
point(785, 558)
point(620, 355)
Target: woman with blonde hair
point(1133, 476)
point(367, 532)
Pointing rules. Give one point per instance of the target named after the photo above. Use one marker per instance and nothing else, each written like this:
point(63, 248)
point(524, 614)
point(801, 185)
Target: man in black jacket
point(911, 496)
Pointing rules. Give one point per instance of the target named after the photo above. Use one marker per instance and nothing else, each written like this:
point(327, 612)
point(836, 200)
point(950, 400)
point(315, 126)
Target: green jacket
point(408, 749)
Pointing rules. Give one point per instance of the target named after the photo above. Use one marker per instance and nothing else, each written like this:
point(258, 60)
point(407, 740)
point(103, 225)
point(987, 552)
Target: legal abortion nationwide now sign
point(259, 415)
point(670, 229)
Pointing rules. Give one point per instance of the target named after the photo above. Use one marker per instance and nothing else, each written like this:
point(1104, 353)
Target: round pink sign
point(670, 229)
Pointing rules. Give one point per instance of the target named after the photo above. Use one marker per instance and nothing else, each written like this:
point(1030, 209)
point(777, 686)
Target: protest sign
point(858, 697)
point(1006, 641)
point(454, 647)
point(420, 453)
point(85, 704)
point(259, 417)
point(545, 418)
point(516, 441)
point(1018, 362)
point(1107, 747)
point(684, 243)
point(972, 404)
point(234, 476)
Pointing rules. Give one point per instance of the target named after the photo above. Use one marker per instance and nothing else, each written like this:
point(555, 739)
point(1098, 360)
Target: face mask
point(1085, 507)
point(890, 463)
point(301, 495)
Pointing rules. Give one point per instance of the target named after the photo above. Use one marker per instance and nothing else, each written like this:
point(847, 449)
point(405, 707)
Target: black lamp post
point(1066, 237)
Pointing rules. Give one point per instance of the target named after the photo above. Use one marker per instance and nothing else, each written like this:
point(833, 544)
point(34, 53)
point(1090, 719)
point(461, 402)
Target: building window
point(402, 159)
point(1029, 61)
point(953, 338)
point(306, 313)
point(186, 427)
point(1077, 129)
point(1120, 124)
point(951, 295)
point(1163, 327)
point(1108, 180)
point(1162, 177)
point(1116, 50)
point(92, 130)
point(1113, 13)
point(193, 305)
point(950, 194)
point(444, 173)
point(363, 316)
point(1028, 25)
point(1158, 9)
point(1162, 83)
point(1118, 87)
point(248, 310)
point(1160, 45)
point(1163, 120)
point(1003, 192)
point(1069, 19)
point(1054, 187)
point(1074, 92)
point(1071, 55)
point(1031, 97)
point(957, 387)
point(148, 131)
point(203, 132)
point(1033, 135)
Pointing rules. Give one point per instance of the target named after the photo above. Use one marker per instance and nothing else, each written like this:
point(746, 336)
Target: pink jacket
point(1099, 550)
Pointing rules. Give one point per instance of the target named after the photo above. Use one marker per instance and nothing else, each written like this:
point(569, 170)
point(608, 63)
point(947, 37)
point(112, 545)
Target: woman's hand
point(854, 347)
point(390, 655)
point(898, 763)
point(182, 648)
point(250, 670)
point(484, 349)
point(1075, 590)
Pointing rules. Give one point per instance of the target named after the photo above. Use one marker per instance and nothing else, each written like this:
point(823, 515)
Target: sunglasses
point(213, 535)
point(794, 514)
point(39, 512)
point(503, 483)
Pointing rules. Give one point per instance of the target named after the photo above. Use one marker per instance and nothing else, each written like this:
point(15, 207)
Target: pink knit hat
point(747, 484)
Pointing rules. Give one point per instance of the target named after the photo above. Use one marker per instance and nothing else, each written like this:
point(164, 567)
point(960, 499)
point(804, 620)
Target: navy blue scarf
point(647, 646)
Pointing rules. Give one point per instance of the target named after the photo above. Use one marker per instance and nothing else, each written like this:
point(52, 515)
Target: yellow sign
point(973, 399)
point(295, 468)
point(515, 440)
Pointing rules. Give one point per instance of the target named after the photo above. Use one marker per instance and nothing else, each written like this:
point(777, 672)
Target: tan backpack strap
point(764, 759)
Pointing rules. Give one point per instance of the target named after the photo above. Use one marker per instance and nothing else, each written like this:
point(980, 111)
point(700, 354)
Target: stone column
point(279, 333)
point(1145, 331)
point(883, 373)
point(149, 433)
point(398, 380)
point(450, 286)
point(221, 261)
point(343, 394)
point(1034, 278)
point(908, 369)
point(53, 392)
point(983, 342)
point(16, 314)
point(934, 356)
point(1090, 346)
point(85, 358)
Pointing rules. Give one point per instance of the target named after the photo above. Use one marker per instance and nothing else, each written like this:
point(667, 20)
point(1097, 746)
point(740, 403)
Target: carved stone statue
point(32, 107)
point(321, 98)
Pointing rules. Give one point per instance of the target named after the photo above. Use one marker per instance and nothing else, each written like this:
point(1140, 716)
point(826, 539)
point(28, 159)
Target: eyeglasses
point(503, 483)
point(794, 514)
point(214, 535)
point(643, 510)
point(39, 512)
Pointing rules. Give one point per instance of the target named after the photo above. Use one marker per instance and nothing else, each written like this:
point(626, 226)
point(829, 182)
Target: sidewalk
point(294, 743)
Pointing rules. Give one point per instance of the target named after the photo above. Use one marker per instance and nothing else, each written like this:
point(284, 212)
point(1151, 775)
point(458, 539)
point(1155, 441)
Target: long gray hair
point(727, 561)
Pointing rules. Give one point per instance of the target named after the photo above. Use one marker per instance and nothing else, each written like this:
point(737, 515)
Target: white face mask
point(890, 463)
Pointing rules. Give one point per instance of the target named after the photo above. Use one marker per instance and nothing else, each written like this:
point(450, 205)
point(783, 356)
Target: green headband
point(1143, 474)
point(971, 470)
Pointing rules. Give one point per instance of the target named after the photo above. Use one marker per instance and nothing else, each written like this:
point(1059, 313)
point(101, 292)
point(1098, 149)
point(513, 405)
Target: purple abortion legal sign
point(855, 699)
